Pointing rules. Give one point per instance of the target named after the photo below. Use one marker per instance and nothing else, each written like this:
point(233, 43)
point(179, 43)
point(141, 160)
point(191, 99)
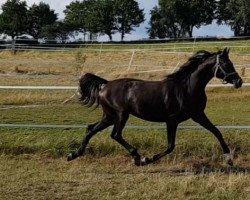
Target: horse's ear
point(226, 52)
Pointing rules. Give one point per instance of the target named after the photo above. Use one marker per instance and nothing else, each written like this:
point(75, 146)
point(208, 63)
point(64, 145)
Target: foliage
point(157, 27)
point(177, 18)
point(107, 17)
point(82, 16)
point(75, 14)
point(104, 16)
point(58, 30)
point(128, 15)
point(235, 13)
point(13, 19)
point(173, 18)
point(39, 16)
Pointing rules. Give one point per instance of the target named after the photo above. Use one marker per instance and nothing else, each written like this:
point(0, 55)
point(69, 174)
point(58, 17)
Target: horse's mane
point(190, 66)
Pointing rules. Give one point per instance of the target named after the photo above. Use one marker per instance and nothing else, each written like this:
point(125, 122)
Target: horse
point(178, 97)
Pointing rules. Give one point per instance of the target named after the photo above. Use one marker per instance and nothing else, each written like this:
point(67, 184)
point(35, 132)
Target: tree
point(107, 17)
point(93, 16)
point(13, 19)
point(235, 13)
point(75, 14)
point(157, 27)
point(195, 13)
point(128, 16)
point(82, 16)
point(57, 31)
point(179, 17)
point(39, 16)
point(104, 16)
point(169, 21)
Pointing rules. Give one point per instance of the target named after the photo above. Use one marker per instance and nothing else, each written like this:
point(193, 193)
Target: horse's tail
point(89, 87)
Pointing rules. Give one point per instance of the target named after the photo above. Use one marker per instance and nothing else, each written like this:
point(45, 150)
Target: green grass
point(33, 161)
point(224, 107)
point(58, 143)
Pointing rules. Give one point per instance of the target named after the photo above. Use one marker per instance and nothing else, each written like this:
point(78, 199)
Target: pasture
point(33, 161)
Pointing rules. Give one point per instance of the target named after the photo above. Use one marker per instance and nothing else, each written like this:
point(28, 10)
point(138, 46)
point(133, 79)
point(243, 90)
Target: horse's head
point(224, 69)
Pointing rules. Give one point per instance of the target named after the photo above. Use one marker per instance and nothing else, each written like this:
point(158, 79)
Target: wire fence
point(131, 58)
point(145, 127)
point(117, 59)
point(75, 88)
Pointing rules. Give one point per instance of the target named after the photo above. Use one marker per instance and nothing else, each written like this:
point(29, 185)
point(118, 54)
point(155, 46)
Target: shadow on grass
point(206, 167)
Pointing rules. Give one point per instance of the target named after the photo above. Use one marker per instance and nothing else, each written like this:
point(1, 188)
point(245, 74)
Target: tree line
point(177, 18)
point(86, 16)
point(171, 19)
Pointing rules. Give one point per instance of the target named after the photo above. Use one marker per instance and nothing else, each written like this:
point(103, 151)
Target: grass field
point(33, 161)
point(50, 68)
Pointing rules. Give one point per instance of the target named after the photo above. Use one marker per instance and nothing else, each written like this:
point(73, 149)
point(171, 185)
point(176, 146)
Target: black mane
point(191, 65)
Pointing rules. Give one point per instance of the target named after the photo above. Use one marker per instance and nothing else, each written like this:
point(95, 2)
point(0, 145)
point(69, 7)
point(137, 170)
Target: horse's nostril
point(238, 83)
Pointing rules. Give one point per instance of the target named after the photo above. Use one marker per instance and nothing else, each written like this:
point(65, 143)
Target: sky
point(141, 31)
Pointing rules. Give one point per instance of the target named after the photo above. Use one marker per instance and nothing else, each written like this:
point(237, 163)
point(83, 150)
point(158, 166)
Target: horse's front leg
point(202, 119)
point(171, 135)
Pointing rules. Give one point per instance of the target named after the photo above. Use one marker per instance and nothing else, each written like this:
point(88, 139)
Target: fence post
point(100, 52)
point(177, 65)
point(194, 43)
point(131, 60)
point(13, 44)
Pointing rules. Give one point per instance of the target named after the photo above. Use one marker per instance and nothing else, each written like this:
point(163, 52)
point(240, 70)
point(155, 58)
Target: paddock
point(38, 130)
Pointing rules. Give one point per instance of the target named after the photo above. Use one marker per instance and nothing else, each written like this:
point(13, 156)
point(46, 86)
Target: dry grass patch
point(109, 64)
point(32, 177)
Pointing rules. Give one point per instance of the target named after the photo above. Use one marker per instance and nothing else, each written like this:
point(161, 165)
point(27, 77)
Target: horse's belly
point(153, 115)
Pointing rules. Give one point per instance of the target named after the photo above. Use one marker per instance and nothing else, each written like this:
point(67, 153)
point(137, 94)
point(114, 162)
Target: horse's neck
point(200, 78)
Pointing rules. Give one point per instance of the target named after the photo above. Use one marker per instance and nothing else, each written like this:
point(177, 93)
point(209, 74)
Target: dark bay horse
point(179, 97)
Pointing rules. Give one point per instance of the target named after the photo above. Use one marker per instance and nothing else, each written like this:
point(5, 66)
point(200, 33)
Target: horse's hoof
point(229, 159)
point(145, 161)
point(230, 162)
point(70, 157)
point(137, 162)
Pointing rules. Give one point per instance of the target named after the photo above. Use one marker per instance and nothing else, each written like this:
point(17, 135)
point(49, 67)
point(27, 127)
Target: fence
point(75, 88)
point(49, 126)
point(147, 60)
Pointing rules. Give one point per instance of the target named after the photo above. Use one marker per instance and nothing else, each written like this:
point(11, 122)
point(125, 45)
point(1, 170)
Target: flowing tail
point(89, 87)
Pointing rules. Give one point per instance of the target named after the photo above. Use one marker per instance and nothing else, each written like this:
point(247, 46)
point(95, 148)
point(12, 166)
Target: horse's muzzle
point(237, 83)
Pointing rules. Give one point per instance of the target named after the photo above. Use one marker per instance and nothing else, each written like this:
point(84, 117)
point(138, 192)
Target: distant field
point(33, 161)
point(111, 61)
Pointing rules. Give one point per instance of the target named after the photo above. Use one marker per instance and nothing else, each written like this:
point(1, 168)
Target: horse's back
point(149, 100)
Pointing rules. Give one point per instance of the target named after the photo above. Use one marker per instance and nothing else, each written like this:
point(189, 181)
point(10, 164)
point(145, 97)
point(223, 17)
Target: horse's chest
point(196, 103)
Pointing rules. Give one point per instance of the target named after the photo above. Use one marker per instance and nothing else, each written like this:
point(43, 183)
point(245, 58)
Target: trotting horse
point(179, 97)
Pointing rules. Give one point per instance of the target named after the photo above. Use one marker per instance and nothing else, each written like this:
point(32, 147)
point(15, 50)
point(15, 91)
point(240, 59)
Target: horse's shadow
point(207, 168)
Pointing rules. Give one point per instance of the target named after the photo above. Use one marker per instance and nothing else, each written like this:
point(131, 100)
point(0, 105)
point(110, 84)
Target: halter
point(218, 66)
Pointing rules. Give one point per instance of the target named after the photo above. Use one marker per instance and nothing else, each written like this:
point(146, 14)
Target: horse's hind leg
point(117, 136)
point(91, 131)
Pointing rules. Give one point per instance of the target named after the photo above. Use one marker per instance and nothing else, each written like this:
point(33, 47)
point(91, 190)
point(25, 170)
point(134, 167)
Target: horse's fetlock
point(135, 153)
